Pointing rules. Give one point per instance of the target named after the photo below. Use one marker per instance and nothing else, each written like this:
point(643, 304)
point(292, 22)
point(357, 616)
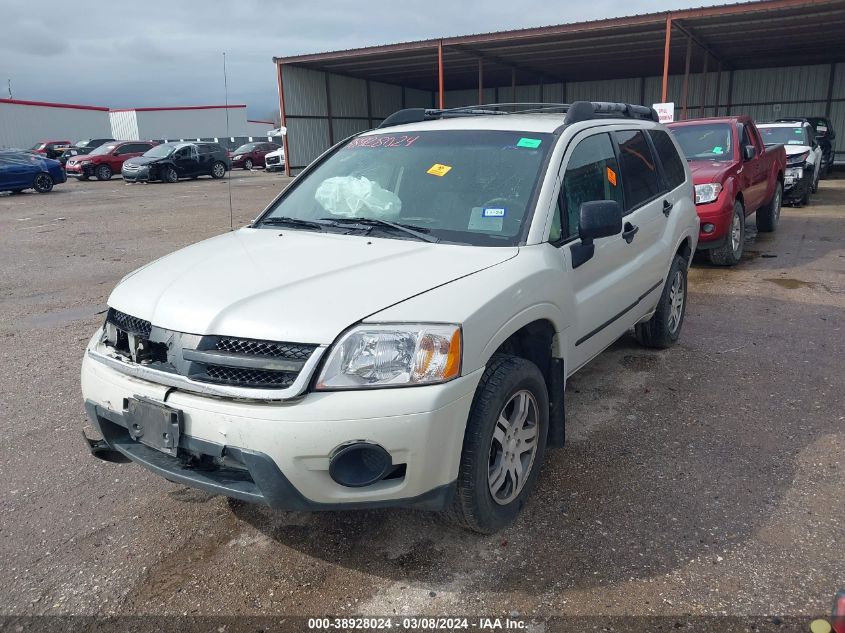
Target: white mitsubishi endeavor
point(397, 327)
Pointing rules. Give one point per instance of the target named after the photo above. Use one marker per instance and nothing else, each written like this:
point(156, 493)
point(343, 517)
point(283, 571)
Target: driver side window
point(592, 173)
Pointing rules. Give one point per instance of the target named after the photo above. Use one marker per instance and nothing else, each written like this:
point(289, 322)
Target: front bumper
point(797, 186)
point(133, 175)
point(78, 171)
point(285, 447)
point(718, 214)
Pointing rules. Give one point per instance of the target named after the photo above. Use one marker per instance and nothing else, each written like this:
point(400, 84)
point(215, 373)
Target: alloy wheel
point(677, 295)
point(513, 448)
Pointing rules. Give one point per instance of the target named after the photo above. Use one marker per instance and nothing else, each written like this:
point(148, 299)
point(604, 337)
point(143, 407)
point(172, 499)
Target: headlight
point(237, 156)
point(393, 355)
point(83, 162)
point(707, 193)
point(797, 159)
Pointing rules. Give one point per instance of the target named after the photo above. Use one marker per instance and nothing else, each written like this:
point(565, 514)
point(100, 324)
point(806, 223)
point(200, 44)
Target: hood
point(143, 160)
point(290, 285)
point(705, 171)
point(791, 150)
point(276, 152)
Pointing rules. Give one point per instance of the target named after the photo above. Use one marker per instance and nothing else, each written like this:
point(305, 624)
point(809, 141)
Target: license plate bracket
point(154, 424)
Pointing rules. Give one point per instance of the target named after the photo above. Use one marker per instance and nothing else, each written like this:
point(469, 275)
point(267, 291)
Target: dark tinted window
point(591, 174)
point(639, 170)
point(673, 166)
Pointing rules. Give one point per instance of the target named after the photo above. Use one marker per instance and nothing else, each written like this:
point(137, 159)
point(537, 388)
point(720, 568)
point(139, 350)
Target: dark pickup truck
point(735, 175)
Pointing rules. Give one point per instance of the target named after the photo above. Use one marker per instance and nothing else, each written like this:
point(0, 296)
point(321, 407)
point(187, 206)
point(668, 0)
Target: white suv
point(397, 327)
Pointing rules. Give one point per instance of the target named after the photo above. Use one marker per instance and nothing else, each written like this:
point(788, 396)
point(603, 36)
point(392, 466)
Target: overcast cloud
point(155, 53)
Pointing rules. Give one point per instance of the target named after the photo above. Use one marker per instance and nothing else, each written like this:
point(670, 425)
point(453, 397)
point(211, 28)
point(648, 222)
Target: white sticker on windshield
point(478, 221)
point(493, 212)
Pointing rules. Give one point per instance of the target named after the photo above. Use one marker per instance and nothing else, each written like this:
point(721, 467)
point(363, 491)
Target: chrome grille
point(259, 378)
point(271, 349)
point(128, 323)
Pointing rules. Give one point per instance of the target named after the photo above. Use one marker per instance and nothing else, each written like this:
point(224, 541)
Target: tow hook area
point(101, 450)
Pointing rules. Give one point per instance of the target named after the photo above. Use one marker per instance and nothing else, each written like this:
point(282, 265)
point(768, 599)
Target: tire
point(248, 164)
point(218, 170)
point(508, 381)
point(815, 187)
point(103, 172)
point(769, 214)
point(43, 183)
point(805, 199)
point(169, 175)
point(730, 253)
point(663, 329)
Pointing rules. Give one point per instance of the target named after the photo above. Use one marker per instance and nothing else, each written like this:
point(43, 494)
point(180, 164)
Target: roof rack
point(575, 112)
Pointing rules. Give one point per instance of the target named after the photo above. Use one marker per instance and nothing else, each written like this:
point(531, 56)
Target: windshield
point(81, 143)
point(468, 186)
point(705, 142)
point(39, 146)
point(103, 149)
point(245, 149)
point(160, 151)
point(784, 135)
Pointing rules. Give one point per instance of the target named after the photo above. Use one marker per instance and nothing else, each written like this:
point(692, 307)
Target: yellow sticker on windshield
point(439, 170)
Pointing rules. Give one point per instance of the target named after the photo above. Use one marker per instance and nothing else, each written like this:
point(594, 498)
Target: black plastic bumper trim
point(261, 483)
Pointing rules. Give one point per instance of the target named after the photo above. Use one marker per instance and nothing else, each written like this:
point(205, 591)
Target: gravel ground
point(703, 480)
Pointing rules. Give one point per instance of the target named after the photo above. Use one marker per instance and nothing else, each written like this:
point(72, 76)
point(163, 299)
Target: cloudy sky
point(154, 53)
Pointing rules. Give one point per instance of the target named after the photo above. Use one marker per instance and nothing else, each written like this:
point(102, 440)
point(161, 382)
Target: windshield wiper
point(418, 232)
point(295, 222)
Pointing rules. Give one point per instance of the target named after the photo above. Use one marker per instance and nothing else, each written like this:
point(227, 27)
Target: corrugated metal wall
point(124, 125)
point(765, 94)
point(190, 123)
point(23, 125)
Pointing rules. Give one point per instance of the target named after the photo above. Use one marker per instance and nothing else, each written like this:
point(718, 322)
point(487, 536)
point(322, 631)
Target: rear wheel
point(730, 253)
point(103, 172)
point(218, 170)
point(768, 215)
point(663, 329)
point(248, 163)
point(43, 183)
point(503, 445)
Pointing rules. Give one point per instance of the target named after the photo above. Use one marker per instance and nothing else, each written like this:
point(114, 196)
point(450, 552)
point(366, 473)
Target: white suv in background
point(397, 327)
point(275, 160)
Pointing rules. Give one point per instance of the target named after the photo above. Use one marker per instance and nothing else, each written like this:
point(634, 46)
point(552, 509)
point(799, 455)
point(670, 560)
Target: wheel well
point(685, 250)
point(740, 199)
point(533, 342)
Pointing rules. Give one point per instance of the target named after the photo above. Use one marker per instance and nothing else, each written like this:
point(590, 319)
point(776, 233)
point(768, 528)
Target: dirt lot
point(707, 479)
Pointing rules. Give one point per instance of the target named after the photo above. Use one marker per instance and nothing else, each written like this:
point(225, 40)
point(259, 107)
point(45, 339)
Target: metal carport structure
point(766, 58)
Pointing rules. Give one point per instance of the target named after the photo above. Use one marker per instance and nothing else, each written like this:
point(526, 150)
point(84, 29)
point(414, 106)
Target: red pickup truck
point(735, 175)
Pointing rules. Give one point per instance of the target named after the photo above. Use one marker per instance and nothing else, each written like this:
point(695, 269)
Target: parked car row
point(251, 155)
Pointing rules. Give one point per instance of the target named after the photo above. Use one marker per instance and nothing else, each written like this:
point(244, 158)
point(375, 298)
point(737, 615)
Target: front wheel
point(248, 164)
point(43, 183)
point(218, 170)
point(768, 215)
point(663, 329)
point(503, 445)
point(103, 172)
point(169, 175)
point(730, 253)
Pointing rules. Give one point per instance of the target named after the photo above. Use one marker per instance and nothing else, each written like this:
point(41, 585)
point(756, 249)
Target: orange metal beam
point(666, 47)
point(440, 82)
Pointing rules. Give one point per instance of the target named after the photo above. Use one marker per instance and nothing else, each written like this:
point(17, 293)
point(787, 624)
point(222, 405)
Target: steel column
point(283, 116)
point(830, 90)
point(329, 110)
point(703, 85)
point(718, 88)
point(685, 90)
point(480, 80)
point(664, 94)
point(440, 82)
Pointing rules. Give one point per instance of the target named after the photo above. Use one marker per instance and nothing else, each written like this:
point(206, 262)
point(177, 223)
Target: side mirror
point(749, 152)
point(598, 218)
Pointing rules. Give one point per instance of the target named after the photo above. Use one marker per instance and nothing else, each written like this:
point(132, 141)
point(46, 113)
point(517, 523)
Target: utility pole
point(10, 88)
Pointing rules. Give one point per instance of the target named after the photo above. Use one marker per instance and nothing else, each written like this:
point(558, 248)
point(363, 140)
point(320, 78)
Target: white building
point(24, 123)
point(183, 122)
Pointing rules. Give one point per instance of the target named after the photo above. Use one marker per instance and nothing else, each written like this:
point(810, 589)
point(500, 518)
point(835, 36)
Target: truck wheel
point(503, 445)
point(730, 253)
point(103, 172)
point(768, 215)
point(664, 327)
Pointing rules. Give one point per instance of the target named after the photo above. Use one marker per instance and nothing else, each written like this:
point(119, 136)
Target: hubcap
point(218, 170)
point(736, 233)
point(513, 448)
point(676, 302)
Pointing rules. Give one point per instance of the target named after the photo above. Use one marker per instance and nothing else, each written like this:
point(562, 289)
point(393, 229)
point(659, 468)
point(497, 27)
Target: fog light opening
point(708, 228)
point(360, 464)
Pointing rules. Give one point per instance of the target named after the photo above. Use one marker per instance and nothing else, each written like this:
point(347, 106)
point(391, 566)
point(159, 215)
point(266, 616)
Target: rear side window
point(639, 168)
point(673, 167)
point(591, 174)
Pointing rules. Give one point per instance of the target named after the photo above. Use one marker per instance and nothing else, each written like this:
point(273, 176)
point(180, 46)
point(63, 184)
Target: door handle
point(629, 231)
point(667, 208)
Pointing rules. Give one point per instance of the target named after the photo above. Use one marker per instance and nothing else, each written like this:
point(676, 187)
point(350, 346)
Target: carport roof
point(767, 33)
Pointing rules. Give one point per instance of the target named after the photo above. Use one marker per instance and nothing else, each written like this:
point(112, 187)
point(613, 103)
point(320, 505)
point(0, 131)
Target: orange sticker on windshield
point(611, 176)
point(439, 170)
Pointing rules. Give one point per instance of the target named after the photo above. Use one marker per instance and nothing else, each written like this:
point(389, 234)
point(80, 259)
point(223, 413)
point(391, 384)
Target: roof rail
point(575, 112)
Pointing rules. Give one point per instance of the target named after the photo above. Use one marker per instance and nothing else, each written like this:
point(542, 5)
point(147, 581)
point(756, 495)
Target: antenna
point(228, 136)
